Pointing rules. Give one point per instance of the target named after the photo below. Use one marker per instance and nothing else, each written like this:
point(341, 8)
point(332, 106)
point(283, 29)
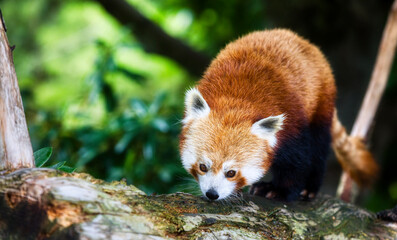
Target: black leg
point(289, 180)
point(291, 168)
point(320, 146)
point(262, 189)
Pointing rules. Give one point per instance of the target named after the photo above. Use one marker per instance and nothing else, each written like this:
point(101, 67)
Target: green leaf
point(67, 169)
point(41, 156)
point(129, 162)
point(139, 107)
point(130, 74)
point(132, 125)
point(58, 165)
point(157, 102)
point(110, 97)
point(115, 173)
point(161, 125)
point(148, 150)
point(86, 155)
point(124, 141)
point(110, 65)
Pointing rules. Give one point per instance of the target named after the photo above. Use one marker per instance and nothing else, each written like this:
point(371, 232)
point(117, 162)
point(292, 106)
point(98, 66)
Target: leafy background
point(110, 108)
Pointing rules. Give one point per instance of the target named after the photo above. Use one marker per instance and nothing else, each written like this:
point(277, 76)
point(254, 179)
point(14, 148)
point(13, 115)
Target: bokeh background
point(103, 81)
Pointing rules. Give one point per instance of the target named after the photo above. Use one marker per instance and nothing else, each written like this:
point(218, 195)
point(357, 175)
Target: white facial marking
point(195, 106)
point(253, 169)
point(207, 162)
point(267, 128)
point(217, 182)
point(226, 166)
point(252, 174)
point(188, 157)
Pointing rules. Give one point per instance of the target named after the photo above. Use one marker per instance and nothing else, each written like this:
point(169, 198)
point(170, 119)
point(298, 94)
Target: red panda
point(266, 104)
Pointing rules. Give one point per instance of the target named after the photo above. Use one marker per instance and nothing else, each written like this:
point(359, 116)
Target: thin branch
point(373, 95)
point(153, 39)
point(379, 76)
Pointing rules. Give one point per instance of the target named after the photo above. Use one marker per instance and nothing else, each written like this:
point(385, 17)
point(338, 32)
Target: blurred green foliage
point(92, 93)
point(110, 109)
point(97, 98)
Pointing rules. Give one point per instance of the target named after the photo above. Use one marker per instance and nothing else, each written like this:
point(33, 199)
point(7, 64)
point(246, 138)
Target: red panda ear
point(195, 105)
point(267, 128)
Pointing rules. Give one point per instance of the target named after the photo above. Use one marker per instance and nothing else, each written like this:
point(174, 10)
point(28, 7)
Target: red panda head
point(223, 150)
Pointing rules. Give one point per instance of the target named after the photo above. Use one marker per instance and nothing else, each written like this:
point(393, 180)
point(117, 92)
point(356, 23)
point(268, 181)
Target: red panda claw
point(311, 195)
point(270, 195)
point(304, 193)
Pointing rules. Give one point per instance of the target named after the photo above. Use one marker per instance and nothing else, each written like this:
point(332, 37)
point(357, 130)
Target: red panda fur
point(268, 73)
point(299, 81)
point(353, 155)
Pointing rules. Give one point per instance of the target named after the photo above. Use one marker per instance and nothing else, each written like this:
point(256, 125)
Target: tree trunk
point(15, 147)
point(48, 204)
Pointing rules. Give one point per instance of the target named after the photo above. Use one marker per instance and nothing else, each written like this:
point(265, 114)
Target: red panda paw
point(306, 195)
point(264, 189)
point(271, 195)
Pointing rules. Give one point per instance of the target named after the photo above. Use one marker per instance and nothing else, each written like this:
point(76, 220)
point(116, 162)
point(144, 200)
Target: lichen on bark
point(47, 204)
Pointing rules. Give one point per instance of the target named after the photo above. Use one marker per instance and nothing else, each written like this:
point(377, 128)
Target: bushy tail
point(353, 155)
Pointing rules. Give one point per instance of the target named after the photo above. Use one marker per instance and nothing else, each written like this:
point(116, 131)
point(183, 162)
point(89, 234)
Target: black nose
point(212, 194)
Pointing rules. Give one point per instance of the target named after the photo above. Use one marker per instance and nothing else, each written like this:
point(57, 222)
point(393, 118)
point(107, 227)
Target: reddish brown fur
point(262, 74)
point(298, 82)
point(225, 141)
point(353, 155)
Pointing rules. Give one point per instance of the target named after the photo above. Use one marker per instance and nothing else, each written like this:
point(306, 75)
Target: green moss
point(116, 207)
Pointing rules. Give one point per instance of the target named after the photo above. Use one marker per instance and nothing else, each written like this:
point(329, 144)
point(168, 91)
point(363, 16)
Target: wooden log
point(48, 204)
point(15, 147)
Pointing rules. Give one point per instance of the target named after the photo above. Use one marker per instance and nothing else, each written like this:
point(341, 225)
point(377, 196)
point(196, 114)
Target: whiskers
point(188, 185)
point(234, 199)
point(177, 121)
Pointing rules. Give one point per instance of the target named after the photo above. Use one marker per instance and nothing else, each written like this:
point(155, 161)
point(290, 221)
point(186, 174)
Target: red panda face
point(223, 151)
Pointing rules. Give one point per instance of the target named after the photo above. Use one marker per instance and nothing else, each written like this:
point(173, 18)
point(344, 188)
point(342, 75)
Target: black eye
point(203, 168)
point(230, 174)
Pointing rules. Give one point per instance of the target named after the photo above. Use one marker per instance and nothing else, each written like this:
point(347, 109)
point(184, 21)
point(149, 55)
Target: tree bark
point(15, 147)
point(153, 39)
point(48, 204)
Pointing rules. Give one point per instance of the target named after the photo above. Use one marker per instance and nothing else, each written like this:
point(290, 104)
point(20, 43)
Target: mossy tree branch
point(46, 204)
